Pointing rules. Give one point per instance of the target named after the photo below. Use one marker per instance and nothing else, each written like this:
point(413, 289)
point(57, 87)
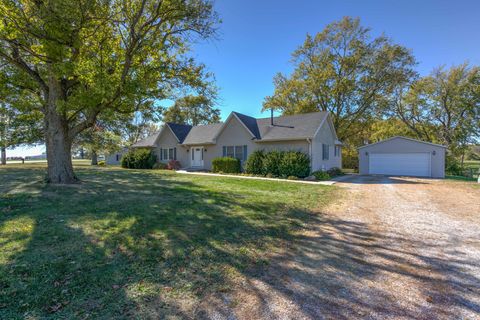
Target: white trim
point(405, 138)
point(228, 120)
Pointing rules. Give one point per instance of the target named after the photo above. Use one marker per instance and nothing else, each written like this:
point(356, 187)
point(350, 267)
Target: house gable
point(234, 119)
point(166, 137)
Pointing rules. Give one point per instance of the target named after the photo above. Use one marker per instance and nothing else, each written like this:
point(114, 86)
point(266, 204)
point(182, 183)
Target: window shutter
point(175, 153)
point(161, 154)
point(244, 152)
point(224, 151)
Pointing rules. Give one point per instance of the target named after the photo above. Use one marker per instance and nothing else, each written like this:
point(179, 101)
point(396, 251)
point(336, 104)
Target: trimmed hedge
point(139, 159)
point(278, 164)
point(226, 165)
point(294, 164)
point(271, 163)
point(254, 163)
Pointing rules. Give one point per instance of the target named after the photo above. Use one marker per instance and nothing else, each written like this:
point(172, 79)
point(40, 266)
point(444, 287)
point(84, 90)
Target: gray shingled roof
point(148, 141)
point(299, 126)
point(203, 134)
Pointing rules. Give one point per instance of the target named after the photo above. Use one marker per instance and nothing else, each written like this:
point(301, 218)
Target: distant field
point(76, 162)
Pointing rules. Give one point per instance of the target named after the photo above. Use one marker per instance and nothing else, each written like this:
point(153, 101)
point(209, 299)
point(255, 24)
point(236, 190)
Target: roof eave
point(283, 139)
point(395, 137)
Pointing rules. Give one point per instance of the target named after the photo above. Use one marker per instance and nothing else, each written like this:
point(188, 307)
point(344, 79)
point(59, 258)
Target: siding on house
point(167, 140)
point(115, 158)
point(289, 133)
point(325, 136)
point(404, 145)
point(233, 134)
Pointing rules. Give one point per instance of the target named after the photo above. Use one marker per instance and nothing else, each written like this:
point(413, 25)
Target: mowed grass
point(130, 244)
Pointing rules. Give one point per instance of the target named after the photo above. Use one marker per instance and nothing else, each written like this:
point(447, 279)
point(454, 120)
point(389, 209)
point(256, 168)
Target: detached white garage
point(401, 156)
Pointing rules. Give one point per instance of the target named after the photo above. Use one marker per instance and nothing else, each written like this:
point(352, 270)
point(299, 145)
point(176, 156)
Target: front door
point(197, 157)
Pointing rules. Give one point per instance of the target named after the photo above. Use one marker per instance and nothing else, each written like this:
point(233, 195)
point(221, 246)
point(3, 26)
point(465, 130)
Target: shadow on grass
point(142, 245)
point(129, 243)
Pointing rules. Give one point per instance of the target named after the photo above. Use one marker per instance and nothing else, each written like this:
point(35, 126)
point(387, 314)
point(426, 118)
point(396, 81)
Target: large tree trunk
point(94, 158)
point(58, 143)
point(4, 155)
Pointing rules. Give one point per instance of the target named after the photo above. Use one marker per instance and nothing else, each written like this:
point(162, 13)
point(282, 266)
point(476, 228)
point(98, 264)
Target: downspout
point(310, 153)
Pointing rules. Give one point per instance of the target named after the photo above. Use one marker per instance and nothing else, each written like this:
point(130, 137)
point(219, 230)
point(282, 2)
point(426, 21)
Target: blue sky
point(256, 39)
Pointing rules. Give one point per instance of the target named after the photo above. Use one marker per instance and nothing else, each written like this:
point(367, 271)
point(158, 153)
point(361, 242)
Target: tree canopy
point(345, 71)
point(443, 107)
point(192, 110)
point(85, 58)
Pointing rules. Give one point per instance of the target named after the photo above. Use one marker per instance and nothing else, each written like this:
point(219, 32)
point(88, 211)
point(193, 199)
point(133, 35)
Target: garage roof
point(405, 138)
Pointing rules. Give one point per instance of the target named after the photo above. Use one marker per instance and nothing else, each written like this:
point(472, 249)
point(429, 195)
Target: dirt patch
point(396, 248)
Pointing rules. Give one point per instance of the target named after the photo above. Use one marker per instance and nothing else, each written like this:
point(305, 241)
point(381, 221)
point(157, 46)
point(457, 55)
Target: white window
point(239, 152)
point(230, 151)
point(325, 152)
point(337, 151)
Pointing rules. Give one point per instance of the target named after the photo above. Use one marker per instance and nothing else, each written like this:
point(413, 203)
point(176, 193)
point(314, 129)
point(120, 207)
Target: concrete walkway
point(325, 183)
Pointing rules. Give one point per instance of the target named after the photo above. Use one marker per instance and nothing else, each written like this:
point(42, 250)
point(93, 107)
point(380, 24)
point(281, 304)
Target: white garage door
point(400, 164)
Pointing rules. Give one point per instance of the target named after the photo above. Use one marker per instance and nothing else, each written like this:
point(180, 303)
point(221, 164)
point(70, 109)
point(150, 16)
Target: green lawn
point(125, 244)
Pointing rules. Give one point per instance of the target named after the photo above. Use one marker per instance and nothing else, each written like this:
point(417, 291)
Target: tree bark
point(4, 156)
point(94, 158)
point(57, 140)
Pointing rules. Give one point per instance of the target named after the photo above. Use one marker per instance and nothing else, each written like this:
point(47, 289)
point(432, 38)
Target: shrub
point(226, 165)
point(101, 163)
point(321, 175)
point(292, 178)
point(349, 158)
point(139, 159)
point(160, 166)
point(254, 163)
point(271, 163)
point(294, 163)
point(173, 165)
point(453, 166)
point(333, 172)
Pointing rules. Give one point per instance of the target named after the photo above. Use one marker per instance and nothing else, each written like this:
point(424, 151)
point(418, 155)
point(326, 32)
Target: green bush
point(254, 163)
point(271, 163)
point(139, 159)
point(453, 166)
point(333, 172)
point(226, 165)
point(321, 175)
point(349, 158)
point(294, 163)
point(292, 178)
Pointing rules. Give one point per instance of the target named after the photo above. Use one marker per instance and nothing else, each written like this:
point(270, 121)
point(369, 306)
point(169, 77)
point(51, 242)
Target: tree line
point(372, 90)
point(90, 75)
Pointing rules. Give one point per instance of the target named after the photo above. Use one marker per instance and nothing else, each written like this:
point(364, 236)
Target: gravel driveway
point(393, 248)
